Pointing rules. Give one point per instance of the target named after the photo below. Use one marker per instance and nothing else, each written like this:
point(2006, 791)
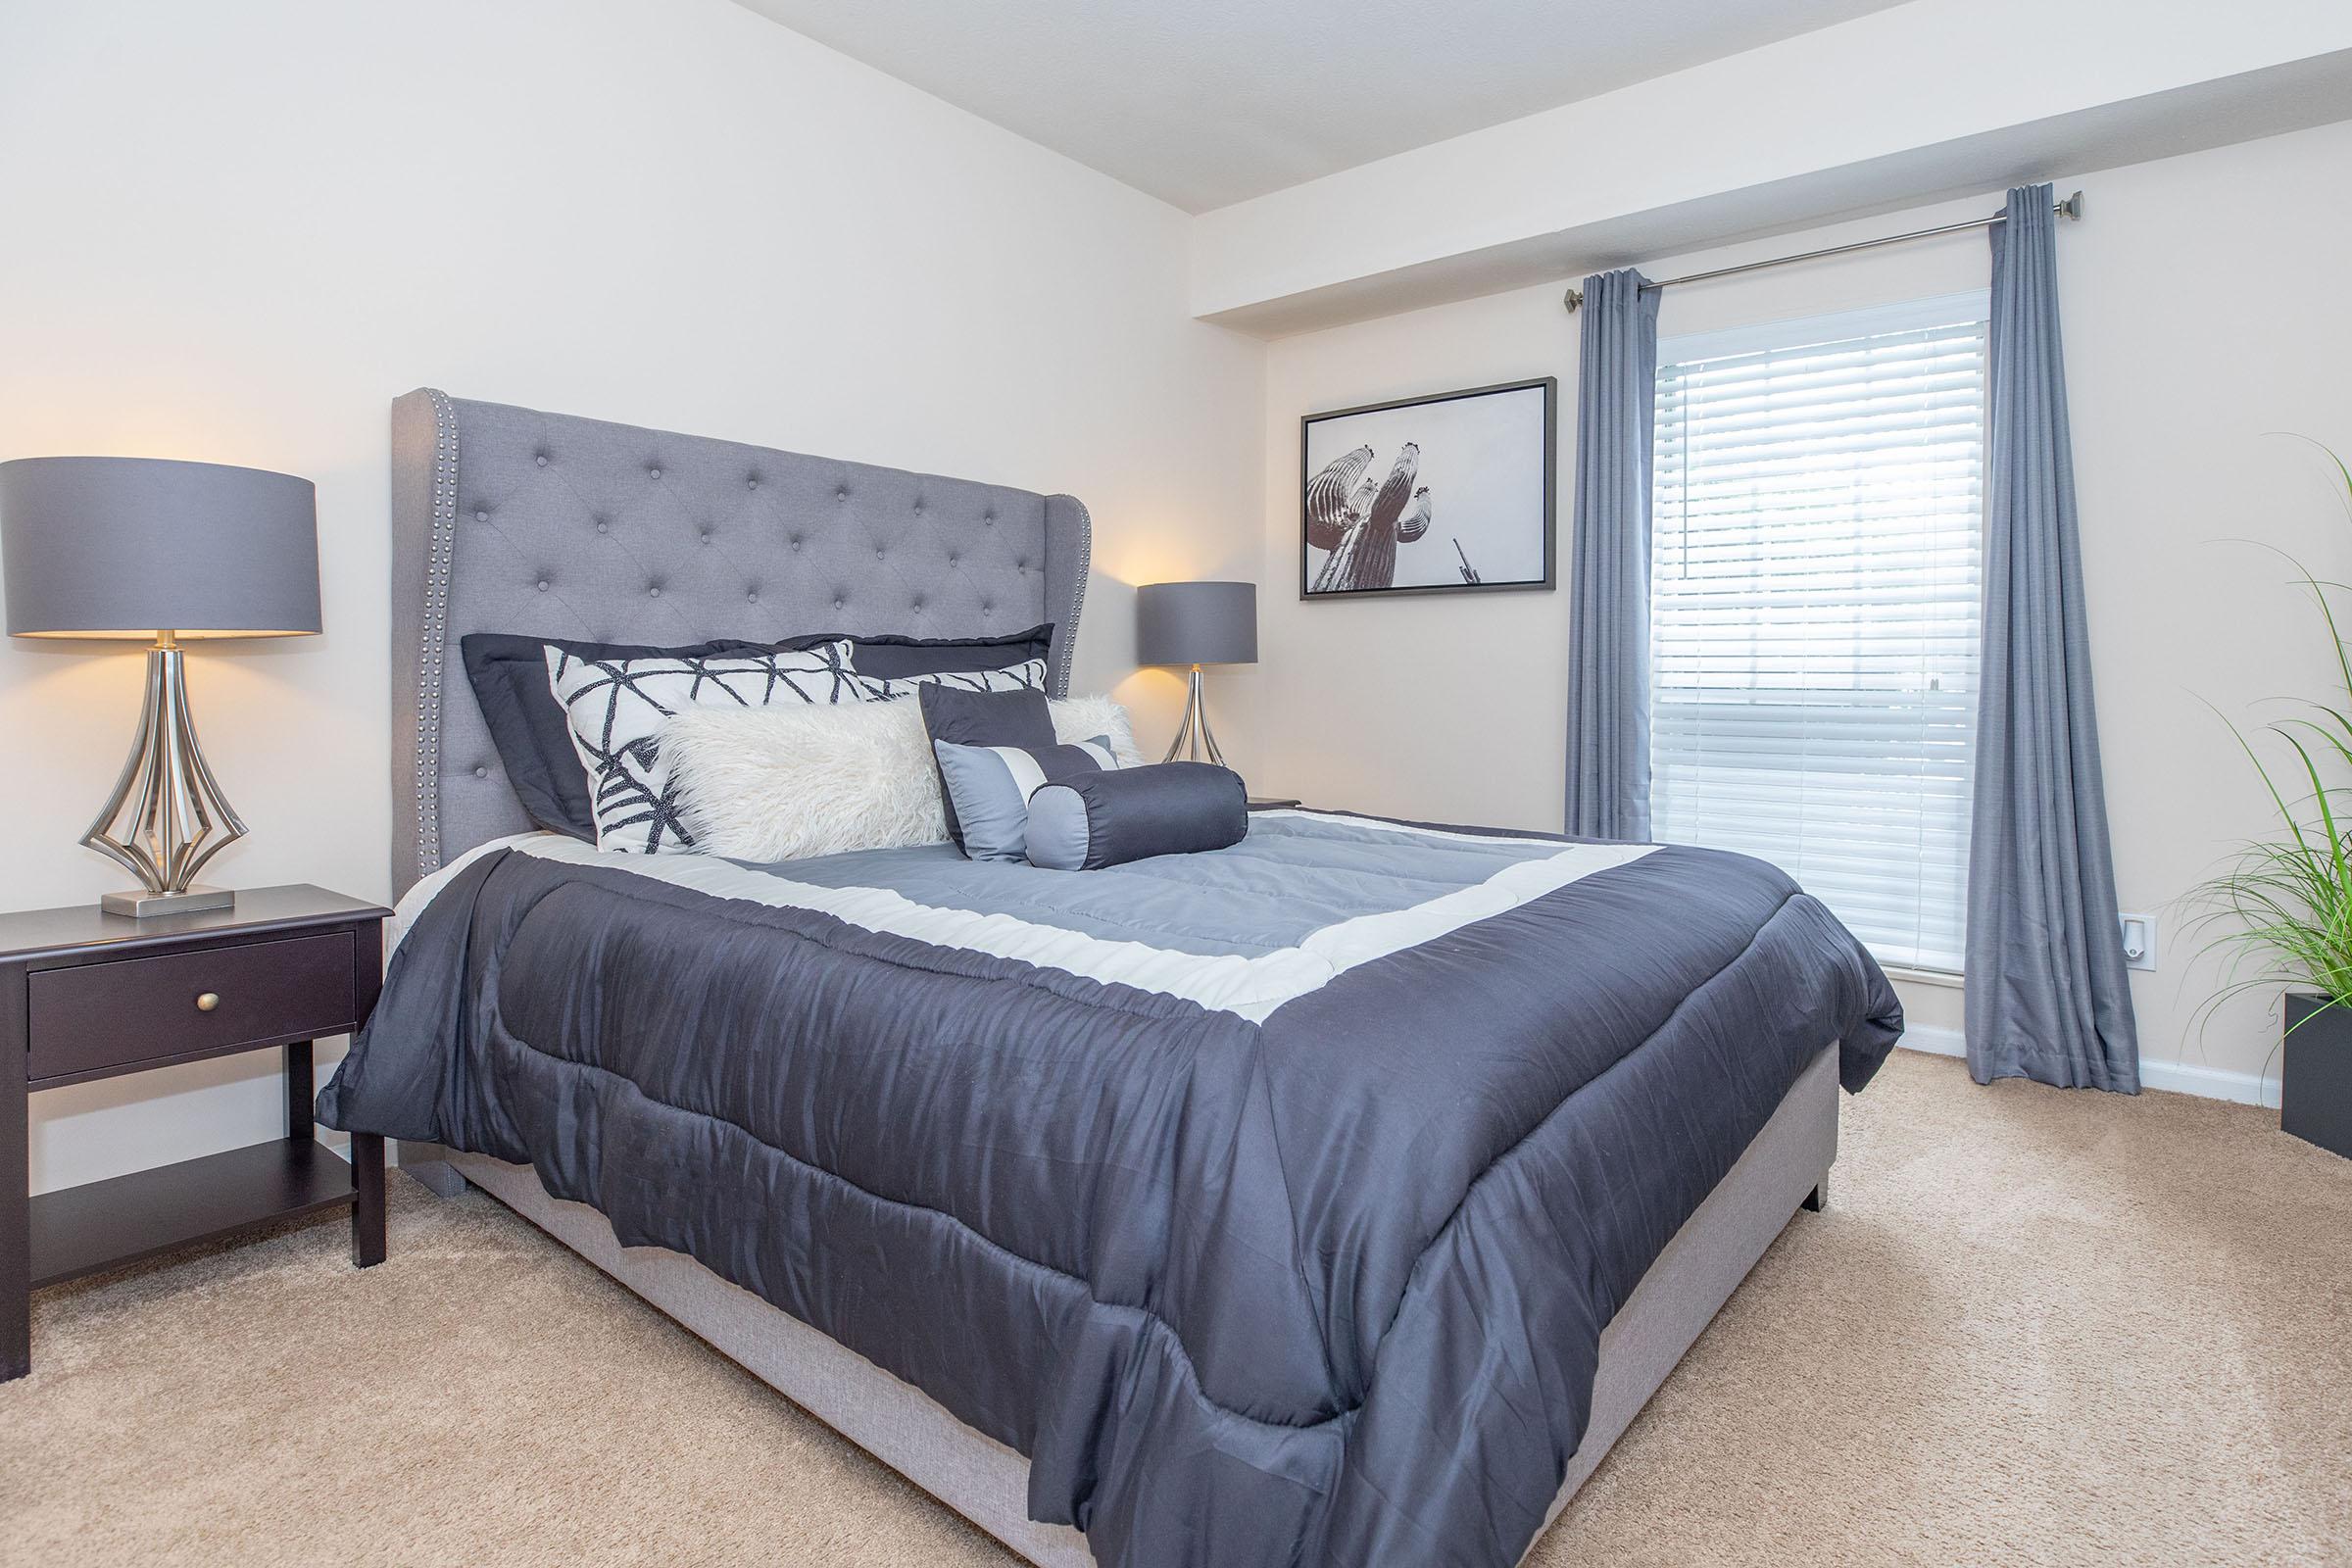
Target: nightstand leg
point(367, 1213)
point(15, 1181)
point(301, 1090)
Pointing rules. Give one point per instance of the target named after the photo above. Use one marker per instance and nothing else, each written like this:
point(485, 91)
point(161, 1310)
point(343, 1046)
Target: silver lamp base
point(139, 903)
point(166, 815)
point(1194, 741)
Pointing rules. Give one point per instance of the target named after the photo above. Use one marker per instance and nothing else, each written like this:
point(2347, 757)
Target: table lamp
point(172, 552)
point(1196, 623)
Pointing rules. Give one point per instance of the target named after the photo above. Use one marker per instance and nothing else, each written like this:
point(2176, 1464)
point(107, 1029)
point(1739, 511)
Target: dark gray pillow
point(964, 717)
point(1087, 821)
point(988, 788)
point(509, 677)
point(897, 658)
point(527, 727)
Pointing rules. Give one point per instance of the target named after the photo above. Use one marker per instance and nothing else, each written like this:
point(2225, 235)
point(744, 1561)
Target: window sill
point(1951, 978)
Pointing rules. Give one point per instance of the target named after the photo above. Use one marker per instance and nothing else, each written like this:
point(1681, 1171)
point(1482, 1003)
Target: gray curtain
point(2047, 994)
point(1608, 572)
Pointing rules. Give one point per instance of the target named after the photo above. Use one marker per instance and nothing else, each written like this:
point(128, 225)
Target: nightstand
point(88, 995)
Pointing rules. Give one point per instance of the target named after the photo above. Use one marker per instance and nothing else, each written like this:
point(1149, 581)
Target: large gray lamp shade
point(149, 547)
point(1196, 623)
point(129, 547)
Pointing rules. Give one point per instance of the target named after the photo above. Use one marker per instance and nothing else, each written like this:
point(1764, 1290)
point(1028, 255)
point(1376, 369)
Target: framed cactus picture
point(1451, 493)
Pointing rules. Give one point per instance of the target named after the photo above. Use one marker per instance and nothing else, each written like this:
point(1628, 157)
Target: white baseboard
point(2173, 1077)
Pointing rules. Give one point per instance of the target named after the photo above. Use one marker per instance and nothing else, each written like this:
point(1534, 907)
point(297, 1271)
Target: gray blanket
point(1272, 1202)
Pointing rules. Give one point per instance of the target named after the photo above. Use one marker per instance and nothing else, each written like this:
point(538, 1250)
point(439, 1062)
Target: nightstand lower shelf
point(81, 1230)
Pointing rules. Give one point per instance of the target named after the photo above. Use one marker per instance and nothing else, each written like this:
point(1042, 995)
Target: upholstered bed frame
point(508, 519)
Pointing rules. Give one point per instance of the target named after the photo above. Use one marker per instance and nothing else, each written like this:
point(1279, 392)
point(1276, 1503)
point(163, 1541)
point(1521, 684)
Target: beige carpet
point(2033, 1328)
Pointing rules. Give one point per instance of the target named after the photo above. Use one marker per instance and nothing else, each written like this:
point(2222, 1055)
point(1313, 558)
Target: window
point(1814, 609)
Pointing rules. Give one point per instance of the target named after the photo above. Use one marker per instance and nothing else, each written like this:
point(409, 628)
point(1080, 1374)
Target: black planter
point(2315, 1077)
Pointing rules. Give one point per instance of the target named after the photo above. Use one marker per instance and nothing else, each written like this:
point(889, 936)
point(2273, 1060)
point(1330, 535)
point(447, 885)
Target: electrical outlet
point(2139, 941)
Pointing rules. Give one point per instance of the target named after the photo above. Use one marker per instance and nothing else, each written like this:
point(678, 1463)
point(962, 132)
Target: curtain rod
point(2071, 207)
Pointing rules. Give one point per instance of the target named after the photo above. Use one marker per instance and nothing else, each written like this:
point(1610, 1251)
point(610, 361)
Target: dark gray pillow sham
point(897, 658)
point(1091, 820)
point(527, 727)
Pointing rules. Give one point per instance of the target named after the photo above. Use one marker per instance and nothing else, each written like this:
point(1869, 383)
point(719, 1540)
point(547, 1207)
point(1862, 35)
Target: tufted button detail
point(837, 604)
point(878, 555)
point(653, 473)
point(842, 493)
point(753, 483)
point(652, 593)
point(706, 536)
point(541, 460)
point(750, 599)
point(602, 526)
point(918, 504)
point(796, 545)
point(543, 585)
point(481, 517)
point(952, 558)
point(481, 773)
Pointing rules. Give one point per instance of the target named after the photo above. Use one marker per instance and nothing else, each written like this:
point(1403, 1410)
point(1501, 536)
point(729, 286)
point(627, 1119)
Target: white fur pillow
point(786, 783)
point(1082, 719)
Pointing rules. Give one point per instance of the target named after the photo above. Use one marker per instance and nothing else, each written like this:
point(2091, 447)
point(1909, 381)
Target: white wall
point(2204, 305)
point(236, 230)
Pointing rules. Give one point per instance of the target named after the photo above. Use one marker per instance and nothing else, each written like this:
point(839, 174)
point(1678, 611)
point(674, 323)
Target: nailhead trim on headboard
point(431, 640)
point(1058, 679)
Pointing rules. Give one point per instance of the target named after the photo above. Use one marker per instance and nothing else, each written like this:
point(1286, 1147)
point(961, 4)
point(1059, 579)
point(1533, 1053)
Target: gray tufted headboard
point(508, 519)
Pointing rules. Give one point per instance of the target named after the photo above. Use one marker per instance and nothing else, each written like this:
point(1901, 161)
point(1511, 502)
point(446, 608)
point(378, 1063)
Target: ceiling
point(1204, 103)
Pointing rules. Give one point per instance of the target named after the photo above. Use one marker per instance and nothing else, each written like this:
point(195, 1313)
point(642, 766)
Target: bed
point(1337, 1197)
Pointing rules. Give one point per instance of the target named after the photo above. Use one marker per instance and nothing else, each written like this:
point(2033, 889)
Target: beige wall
point(236, 230)
point(2205, 304)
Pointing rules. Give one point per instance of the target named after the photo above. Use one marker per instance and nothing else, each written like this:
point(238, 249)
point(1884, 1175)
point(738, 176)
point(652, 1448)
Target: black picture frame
point(1547, 520)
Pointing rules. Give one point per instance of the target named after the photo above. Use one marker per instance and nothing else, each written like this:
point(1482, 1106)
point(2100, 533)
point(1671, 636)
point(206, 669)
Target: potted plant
point(2285, 905)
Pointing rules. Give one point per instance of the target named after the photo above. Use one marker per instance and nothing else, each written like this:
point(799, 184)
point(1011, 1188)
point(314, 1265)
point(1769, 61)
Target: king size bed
point(1337, 1197)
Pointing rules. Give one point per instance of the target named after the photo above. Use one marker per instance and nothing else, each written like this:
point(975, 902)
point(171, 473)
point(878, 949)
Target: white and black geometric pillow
point(613, 707)
point(1027, 676)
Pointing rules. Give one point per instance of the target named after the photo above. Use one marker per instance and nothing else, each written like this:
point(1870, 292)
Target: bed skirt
point(986, 1482)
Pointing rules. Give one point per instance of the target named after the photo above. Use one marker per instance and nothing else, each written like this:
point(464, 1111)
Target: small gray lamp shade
point(149, 547)
point(1196, 623)
point(129, 547)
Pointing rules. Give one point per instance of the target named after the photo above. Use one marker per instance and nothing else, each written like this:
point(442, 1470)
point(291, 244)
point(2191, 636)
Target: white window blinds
point(1814, 609)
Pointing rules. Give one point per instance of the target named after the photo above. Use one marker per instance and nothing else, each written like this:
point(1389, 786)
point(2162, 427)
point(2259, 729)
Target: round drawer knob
point(208, 1002)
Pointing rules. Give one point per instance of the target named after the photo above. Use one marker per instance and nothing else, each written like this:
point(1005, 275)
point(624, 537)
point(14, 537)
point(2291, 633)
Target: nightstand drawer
point(100, 1016)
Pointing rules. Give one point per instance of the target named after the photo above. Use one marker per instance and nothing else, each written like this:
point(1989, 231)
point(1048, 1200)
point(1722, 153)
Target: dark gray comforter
point(1324, 1285)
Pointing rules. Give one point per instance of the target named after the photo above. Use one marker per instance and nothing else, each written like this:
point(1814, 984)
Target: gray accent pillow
point(988, 788)
point(1087, 822)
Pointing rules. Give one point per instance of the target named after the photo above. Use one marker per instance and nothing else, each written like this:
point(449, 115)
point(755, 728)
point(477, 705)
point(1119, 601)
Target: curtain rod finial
point(2071, 207)
point(1574, 298)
